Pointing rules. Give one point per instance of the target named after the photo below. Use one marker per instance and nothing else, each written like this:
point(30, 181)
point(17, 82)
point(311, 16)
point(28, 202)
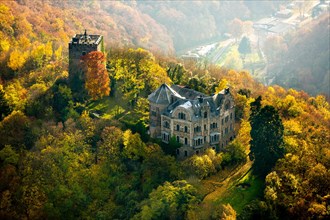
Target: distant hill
point(119, 23)
point(194, 22)
point(155, 25)
point(305, 65)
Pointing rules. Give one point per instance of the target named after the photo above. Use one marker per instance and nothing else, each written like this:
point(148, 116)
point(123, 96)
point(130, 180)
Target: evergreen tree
point(244, 47)
point(267, 137)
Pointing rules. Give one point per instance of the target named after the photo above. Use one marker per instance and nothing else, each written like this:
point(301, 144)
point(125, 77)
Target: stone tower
point(158, 101)
point(80, 45)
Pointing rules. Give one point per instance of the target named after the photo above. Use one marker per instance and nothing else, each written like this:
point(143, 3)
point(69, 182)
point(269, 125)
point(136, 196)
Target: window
point(227, 106)
point(197, 129)
point(205, 114)
point(222, 121)
point(226, 119)
point(186, 129)
point(214, 138)
point(204, 139)
point(178, 139)
point(178, 127)
point(153, 113)
point(185, 153)
point(231, 116)
point(204, 127)
point(84, 53)
point(197, 151)
point(166, 137)
point(166, 124)
point(186, 141)
point(177, 151)
point(182, 116)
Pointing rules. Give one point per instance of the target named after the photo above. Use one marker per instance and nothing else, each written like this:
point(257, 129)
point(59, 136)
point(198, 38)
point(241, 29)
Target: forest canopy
point(67, 158)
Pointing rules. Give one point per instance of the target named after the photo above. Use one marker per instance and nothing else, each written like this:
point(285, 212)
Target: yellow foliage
point(4, 45)
point(48, 49)
point(17, 60)
point(271, 90)
point(58, 53)
point(292, 127)
point(24, 42)
point(36, 90)
point(222, 85)
point(16, 95)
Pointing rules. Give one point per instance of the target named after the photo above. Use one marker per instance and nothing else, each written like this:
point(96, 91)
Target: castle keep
point(196, 120)
point(80, 45)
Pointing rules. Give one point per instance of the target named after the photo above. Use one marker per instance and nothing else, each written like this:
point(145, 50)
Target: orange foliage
point(97, 79)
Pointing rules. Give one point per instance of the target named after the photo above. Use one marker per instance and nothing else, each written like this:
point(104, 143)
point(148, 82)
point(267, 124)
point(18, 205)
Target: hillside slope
point(120, 24)
point(305, 65)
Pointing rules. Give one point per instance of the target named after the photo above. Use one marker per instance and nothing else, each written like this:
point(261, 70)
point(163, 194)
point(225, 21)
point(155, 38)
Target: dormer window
point(182, 116)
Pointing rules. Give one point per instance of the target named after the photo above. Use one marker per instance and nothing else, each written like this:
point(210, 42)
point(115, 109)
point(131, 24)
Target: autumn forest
point(79, 148)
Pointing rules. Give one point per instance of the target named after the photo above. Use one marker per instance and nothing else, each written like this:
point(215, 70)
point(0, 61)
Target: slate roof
point(188, 99)
point(163, 95)
point(186, 92)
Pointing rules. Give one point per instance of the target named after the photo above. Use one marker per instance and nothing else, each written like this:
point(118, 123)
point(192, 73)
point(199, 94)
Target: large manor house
point(194, 119)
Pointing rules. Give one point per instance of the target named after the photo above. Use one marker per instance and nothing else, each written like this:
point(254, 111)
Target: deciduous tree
point(236, 28)
point(170, 201)
point(97, 81)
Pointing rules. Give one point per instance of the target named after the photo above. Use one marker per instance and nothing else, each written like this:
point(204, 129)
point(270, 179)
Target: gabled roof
point(163, 95)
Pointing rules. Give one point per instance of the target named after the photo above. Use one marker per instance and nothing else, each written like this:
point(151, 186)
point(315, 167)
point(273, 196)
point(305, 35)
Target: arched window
point(227, 106)
point(185, 129)
point(186, 141)
point(177, 139)
point(205, 114)
point(178, 127)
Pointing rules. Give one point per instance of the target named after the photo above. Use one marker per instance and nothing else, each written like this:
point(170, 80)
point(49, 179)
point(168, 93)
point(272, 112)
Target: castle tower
point(158, 101)
point(80, 45)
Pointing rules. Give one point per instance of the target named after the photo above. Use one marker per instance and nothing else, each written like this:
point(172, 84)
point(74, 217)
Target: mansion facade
point(195, 120)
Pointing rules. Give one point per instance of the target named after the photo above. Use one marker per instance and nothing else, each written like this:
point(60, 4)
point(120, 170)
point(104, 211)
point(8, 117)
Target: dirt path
point(207, 204)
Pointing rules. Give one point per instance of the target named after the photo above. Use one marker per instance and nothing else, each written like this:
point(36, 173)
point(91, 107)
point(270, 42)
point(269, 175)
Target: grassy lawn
point(243, 192)
point(107, 107)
